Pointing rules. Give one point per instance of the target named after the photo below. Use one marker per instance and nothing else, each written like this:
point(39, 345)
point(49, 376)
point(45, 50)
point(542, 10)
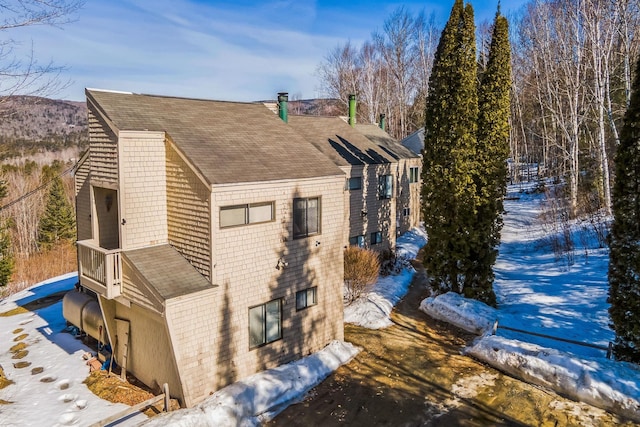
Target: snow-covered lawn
point(56, 396)
point(540, 294)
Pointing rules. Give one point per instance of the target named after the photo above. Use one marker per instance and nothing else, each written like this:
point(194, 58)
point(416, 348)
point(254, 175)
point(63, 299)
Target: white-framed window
point(414, 174)
point(385, 186)
point(376, 238)
point(252, 213)
point(357, 241)
point(306, 298)
point(406, 211)
point(354, 183)
point(306, 217)
point(265, 323)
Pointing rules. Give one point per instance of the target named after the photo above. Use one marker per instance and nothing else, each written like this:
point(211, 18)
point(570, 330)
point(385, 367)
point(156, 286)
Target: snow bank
point(262, 396)
point(373, 309)
point(609, 385)
point(606, 384)
point(470, 315)
point(409, 244)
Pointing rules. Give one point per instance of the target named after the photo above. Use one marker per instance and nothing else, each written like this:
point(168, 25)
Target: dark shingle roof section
point(170, 274)
point(339, 141)
point(415, 141)
point(383, 140)
point(228, 142)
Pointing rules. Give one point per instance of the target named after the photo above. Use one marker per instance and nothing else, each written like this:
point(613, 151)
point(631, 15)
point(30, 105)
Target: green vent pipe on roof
point(352, 110)
point(283, 100)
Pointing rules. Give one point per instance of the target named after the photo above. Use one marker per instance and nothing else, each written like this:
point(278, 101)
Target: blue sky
point(229, 50)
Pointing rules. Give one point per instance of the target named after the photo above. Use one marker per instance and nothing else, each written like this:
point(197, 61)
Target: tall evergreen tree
point(58, 221)
point(449, 195)
point(6, 257)
point(624, 256)
point(492, 151)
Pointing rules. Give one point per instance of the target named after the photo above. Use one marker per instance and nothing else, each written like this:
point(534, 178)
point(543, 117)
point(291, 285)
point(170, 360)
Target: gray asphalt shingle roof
point(386, 142)
point(168, 272)
point(228, 142)
point(339, 141)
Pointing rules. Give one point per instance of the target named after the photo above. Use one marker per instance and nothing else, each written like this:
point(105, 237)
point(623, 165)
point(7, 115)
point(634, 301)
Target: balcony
point(100, 269)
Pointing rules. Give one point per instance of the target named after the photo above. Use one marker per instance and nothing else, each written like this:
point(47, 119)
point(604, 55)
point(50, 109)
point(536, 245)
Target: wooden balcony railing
point(100, 269)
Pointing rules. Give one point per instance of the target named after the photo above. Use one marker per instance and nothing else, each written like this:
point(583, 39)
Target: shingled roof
point(383, 140)
point(339, 141)
point(228, 142)
point(168, 272)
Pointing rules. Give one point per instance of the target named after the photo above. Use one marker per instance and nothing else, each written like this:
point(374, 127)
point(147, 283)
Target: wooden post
point(167, 398)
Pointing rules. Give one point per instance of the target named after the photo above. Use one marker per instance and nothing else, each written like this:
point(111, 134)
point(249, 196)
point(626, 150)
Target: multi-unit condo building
point(213, 232)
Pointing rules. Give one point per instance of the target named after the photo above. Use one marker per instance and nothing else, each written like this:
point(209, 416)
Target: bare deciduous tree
point(22, 73)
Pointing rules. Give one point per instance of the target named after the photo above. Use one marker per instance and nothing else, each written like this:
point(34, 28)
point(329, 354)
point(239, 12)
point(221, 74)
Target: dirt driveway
point(412, 374)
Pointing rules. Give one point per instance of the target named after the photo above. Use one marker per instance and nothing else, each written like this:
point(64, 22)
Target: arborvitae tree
point(58, 221)
point(492, 151)
point(6, 257)
point(624, 256)
point(449, 195)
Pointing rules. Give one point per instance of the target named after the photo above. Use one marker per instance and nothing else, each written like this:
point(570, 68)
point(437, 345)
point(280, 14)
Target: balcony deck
point(100, 269)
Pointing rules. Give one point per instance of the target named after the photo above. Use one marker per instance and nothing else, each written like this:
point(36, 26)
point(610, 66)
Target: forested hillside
point(30, 125)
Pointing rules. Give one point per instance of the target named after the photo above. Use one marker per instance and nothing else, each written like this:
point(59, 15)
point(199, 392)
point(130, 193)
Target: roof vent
point(283, 101)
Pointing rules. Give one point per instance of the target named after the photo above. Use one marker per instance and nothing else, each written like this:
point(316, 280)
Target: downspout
point(283, 101)
point(352, 110)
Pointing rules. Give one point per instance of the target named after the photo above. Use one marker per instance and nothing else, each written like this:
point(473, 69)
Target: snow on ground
point(56, 396)
point(58, 393)
point(373, 309)
point(262, 396)
point(535, 292)
point(540, 294)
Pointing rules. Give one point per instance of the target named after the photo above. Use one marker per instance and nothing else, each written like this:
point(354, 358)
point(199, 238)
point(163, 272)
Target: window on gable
point(306, 217)
point(406, 211)
point(357, 241)
point(414, 174)
point(231, 216)
point(265, 323)
point(306, 298)
point(354, 183)
point(376, 238)
point(385, 186)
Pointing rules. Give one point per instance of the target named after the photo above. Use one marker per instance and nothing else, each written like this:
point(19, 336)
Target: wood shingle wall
point(103, 151)
point(188, 216)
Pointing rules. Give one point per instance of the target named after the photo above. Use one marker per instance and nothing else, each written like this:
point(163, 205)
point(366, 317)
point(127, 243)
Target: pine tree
point(449, 195)
point(6, 257)
point(624, 256)
point(58, 221)
point(492, 151)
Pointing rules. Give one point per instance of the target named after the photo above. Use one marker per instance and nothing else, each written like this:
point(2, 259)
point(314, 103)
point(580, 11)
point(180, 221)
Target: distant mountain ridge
point(30, 125)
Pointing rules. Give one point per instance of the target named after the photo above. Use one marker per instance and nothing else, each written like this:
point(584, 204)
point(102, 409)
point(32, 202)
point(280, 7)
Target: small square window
point(354, 183)
point(357, 241)
point(306, 298)
point(376, 238)
point(406, 211)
